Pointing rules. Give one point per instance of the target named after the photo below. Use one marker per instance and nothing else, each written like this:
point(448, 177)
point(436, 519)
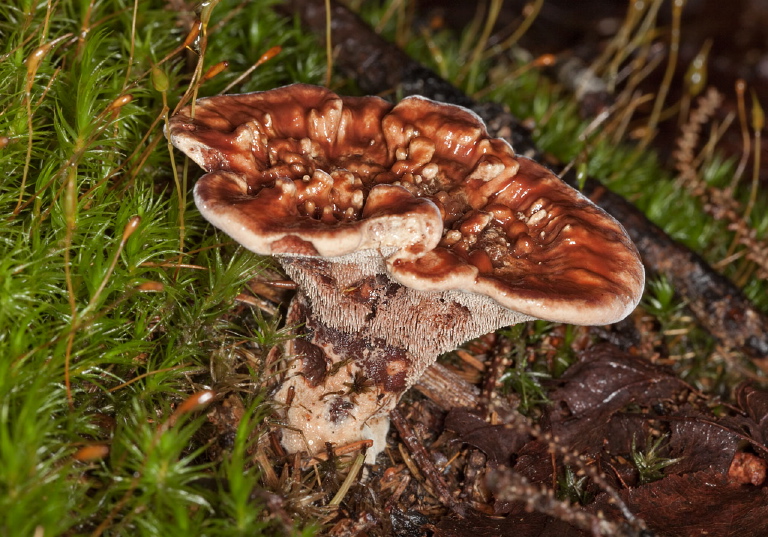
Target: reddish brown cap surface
point(300, 171)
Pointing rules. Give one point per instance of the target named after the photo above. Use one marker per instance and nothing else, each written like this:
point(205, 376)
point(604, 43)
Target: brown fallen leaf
point(754, 402)
point(703, 503)
point(498, 442)
point(588, 400)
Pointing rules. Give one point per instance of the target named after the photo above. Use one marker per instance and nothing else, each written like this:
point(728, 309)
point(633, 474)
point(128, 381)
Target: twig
point(511, 486)
point(425, 464)
point(500, 361)
point(351, 477)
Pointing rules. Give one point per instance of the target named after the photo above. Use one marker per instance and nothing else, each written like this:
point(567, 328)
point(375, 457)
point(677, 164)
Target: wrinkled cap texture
point(417, 189)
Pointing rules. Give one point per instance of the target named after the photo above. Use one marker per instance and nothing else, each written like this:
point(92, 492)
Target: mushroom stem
point(340, 386)
point(366, 340)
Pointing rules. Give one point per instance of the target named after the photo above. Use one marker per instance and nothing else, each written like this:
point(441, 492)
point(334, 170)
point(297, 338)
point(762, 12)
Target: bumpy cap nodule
point(300, 171)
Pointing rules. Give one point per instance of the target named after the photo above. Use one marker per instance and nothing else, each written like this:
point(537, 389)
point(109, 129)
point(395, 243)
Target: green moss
point(103, 332)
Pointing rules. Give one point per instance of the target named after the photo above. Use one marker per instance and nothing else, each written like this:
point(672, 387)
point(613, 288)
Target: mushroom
point(408, 229)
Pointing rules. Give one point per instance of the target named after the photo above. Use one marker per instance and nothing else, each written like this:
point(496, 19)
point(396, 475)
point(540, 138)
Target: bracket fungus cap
point(407, 227)
point(300, 171)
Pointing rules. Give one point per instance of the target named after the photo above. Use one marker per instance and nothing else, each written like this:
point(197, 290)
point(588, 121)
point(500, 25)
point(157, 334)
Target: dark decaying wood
point(380, 67)
point(716, 302)
point(446, 389)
